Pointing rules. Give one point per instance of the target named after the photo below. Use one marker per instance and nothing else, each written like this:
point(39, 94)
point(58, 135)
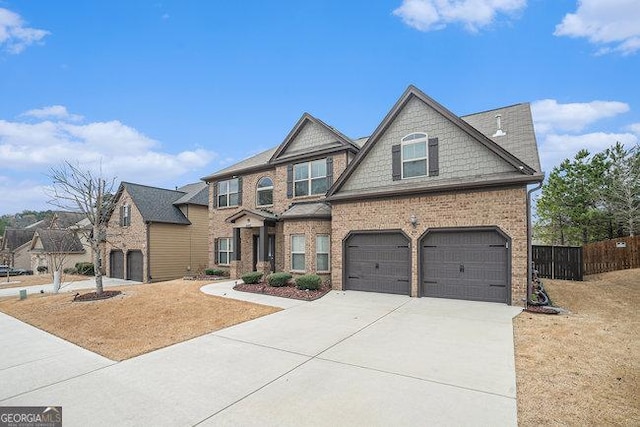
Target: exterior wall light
point(413, 220)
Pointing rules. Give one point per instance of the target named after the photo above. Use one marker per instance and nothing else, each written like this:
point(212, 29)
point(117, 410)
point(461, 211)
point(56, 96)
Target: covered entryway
point(378, 262)
point(116, 264)
point(134, 266)
point(469, 264)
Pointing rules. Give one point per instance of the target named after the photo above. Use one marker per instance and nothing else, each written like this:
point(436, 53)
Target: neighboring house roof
point(196, 194)
point(63, 219)
point(58, 241)
point(307, 210)
point(14, 238)
point(155, 204)
point(254, 163)
point(521, 172)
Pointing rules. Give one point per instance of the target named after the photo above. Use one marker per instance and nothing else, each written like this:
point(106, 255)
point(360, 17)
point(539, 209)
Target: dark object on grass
point(93, 296)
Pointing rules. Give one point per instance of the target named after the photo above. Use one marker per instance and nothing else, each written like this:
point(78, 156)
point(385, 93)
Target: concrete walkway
point(350, 358)
point(66, 286)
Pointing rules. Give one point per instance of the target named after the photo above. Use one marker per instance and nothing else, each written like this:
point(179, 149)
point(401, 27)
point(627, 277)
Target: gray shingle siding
point(460, 155)
point(310, 138)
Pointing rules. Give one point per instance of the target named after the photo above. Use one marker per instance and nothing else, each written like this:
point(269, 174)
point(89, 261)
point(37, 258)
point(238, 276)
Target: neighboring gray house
point(431, 204)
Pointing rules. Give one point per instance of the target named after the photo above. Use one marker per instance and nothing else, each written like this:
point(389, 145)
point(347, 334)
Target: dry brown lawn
point(142, 319)
point(37, 279)
point(582, 368)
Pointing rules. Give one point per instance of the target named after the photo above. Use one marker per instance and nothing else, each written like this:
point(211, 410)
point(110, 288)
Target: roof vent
point(499, 132)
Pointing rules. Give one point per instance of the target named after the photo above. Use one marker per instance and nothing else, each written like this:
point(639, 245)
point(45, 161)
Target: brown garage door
point(378, 262)
point(465, 264)
point(116, 264)
point(134, 266)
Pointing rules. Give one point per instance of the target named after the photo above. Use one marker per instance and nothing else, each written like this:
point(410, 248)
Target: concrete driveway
point(350, 358)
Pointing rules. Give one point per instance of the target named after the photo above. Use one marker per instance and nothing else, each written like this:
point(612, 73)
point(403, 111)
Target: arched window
point(264, 193)
point(414, 155)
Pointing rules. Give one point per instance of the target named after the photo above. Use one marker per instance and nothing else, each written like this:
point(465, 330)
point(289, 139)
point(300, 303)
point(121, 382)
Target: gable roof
point(196, 194)
point(474, 133)
point(14, 238)
point(58, 241)
point(275, 155)
point(155, 204)
point(341, 140)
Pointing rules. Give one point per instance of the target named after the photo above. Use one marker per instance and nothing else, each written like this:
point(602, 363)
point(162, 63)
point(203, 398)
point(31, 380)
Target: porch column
point(237, 245)
point(263, 263)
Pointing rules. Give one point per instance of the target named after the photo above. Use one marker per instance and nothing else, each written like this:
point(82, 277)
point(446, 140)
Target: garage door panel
point(465, 264)
point(378, 262)
point(116, 264)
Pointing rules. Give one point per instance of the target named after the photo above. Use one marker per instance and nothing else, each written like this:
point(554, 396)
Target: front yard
point(582, 368)
point(142, 319)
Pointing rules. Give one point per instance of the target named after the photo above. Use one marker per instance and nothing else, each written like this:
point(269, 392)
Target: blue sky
point(165, 92)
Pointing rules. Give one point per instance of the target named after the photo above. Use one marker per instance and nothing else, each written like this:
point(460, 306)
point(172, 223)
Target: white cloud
point(554, 148)
point(429, 15)
point(14, 35)
point(611, 24)
point(119, 150)
point(550, 116)
point(635, 128)
point(52, 112)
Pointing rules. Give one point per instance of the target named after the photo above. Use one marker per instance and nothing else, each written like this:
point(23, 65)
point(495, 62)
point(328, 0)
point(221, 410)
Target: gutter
point(529, 241)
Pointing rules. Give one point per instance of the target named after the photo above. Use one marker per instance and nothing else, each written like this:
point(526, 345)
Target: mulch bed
point(94, 296)
point(289, 291)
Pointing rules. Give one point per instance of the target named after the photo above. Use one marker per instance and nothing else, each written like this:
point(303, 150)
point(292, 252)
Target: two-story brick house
point(431, 204)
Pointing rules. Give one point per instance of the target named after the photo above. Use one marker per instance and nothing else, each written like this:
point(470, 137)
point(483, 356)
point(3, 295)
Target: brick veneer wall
point(132, 237)
point(504, 208)
point(218, 227)
point(310, 229)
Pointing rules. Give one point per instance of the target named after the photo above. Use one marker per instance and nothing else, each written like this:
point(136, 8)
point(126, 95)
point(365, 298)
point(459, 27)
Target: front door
point(271, 255)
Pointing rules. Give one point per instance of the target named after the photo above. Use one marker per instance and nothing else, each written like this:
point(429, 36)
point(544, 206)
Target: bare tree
point(622, 189)
point(79, 190)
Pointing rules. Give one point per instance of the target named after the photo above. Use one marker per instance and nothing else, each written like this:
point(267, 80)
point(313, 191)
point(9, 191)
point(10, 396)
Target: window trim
point(328, 253)
point(309, 178)
point(228, 193)
point(126, 215)
point(267, 188)
point(303, 253)
point(406, 140)
point(229, 250)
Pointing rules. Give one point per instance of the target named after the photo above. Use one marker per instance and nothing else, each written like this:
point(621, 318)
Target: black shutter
point(240, 191)
point(434, 168)
point(237, 244)
point(215, 194)
point(329, 171)
point(121, 215)
point(215, 251)
point(396, 163)
point(289, 181)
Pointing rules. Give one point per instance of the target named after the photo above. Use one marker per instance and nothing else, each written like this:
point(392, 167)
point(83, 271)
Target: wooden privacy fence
point(558, 262)
point(611, 255)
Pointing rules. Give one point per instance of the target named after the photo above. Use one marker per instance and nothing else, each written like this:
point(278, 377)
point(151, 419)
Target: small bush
point(85, 268)
point(70, 270)
point(42, 269)
point(309, 281)
point(278, 279)
point(252, 278)
point(215, 272)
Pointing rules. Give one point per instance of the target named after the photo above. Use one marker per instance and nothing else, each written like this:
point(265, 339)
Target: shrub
point(85, 268)
point(252, 278)
point(278, 279)
point(70, 270)
point(42, 269)
point(215, 272)
point(309, 281)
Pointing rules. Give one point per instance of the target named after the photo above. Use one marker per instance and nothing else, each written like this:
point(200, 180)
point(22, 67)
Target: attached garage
point(134, 266)
point(469, 264)
point(116, 264)
point(378, 262)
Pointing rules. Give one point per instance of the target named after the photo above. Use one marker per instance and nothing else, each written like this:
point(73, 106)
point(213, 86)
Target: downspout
point(529, 243)
point(148, 252)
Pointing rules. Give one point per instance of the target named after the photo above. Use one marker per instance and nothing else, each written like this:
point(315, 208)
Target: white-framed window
point(414, 155)
point(225, 250)
point(323, 244)
point(126, 215)
point(298, 252)
point(264, 192)
point(228, 193)
point(310, 178)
